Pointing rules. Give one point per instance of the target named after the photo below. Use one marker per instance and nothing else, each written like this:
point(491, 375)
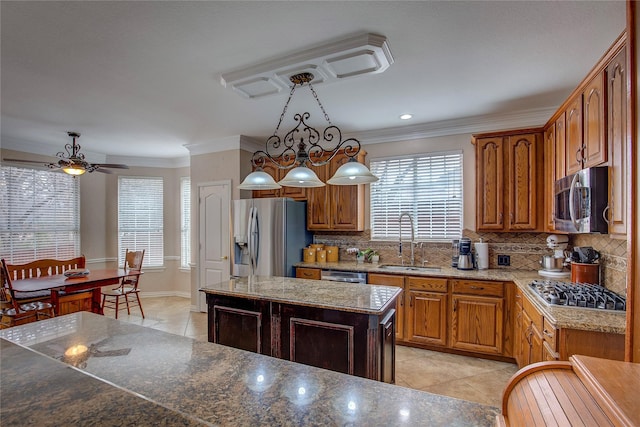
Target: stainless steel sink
point(391, 267)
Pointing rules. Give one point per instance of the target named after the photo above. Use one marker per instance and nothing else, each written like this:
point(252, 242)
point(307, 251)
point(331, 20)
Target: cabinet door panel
point(428, 317)
point(618, 145)
point(476, 324)
point(319, 203)
point(595, 147)
point(573, 154)
point(490, 182)
point(523, 182)
point(561, 147)
point(549, 176)
point(348, 201)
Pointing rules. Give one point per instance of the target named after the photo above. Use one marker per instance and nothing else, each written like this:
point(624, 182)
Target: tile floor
point(468, 378)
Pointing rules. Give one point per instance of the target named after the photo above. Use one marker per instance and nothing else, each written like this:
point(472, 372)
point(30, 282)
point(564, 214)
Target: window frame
point(154, 250)
point(54, 222)
point(392, 232)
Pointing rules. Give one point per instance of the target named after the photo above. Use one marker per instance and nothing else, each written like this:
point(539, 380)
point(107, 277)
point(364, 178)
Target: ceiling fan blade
point(38, 162)
point(107, 171)
point(111, 165)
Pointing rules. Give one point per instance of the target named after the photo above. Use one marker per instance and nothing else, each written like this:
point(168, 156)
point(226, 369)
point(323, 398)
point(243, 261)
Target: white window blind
point(428, 186)
point(39, 215)
point(140, 219)
point(185, 222)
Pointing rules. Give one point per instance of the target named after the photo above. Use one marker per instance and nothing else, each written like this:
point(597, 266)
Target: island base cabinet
point(360, 344)
point(239, 323)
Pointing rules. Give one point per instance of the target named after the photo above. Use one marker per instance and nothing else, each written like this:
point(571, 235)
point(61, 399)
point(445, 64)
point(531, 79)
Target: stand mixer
point(554, 266)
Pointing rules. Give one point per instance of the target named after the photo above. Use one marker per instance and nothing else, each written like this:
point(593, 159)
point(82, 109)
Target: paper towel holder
point(482, 255)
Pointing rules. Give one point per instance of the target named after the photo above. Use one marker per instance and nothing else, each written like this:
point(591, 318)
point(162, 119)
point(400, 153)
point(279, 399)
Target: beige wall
point(432, 145)
point(99, 224)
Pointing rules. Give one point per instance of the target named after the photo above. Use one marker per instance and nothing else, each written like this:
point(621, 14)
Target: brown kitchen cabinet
point(549, 176)
point(308, 273)
point(509, 178)
point(618, 145)
point(586, 143)
point(278, 174)
point(427, 313)
point(335, 207)
point(398, 281)
point(477, 316)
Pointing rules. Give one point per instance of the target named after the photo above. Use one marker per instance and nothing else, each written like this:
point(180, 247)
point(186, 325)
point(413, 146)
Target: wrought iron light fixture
point(302, 147)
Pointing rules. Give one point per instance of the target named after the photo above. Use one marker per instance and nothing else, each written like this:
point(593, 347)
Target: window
point(428, 186)
point(140, 219)
point(185, 222)
point(39, 215)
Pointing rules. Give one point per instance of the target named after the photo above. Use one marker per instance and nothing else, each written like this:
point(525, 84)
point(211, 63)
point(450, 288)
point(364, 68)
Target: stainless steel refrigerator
point(268, 236)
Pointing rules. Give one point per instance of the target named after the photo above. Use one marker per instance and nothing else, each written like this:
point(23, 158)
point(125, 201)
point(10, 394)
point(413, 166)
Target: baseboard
point(166, 294)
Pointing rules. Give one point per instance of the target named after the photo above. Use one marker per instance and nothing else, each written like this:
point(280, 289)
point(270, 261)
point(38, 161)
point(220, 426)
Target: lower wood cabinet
point(428, 310)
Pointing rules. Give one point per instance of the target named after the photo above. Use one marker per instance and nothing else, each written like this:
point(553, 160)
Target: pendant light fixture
point(302, 147)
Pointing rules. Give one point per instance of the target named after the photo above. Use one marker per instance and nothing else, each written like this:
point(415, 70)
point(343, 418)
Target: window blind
point(185, 222)
point(427, 186)
point(140, 219)
point(39, 215)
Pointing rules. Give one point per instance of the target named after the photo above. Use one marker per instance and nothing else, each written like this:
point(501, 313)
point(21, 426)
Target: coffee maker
point(465, 257)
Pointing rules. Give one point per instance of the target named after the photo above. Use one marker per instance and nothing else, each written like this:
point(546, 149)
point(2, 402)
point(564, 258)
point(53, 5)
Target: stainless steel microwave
point(581, 200)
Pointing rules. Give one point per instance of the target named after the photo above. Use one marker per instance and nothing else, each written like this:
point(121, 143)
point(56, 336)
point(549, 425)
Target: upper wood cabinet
point(618, 145)
point(335, 207)
point(586, 127)
point(508, 179)
point(549, 176)
point(278, 174)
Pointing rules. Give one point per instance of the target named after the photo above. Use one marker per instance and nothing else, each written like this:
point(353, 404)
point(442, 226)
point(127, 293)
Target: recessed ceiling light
point(405, 116)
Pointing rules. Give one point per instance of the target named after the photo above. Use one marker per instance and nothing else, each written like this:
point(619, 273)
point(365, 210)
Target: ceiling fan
point(72, 160)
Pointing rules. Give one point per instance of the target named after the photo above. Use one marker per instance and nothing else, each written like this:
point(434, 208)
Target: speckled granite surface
point(352, 297)
point(562, 317)
point(173, 380)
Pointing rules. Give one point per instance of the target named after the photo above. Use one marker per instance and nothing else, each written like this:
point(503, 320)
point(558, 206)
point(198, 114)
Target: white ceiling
point(143, 78)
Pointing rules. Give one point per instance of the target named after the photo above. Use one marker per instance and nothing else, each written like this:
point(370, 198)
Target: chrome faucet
point(413, 259)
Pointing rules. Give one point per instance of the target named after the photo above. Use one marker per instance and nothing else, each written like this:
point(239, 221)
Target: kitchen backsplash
point(524, 249)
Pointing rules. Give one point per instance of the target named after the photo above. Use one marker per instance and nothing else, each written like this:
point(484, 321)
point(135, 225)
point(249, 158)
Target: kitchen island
point(133, 375)
point(344, 327)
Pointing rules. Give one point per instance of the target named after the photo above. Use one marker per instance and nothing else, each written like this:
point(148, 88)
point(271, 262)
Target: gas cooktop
point(584, 295)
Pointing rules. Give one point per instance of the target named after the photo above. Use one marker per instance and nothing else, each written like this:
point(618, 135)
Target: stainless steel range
point(578, 295)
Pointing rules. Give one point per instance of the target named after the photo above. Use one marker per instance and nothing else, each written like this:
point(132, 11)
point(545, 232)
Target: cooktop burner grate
point(583, 295)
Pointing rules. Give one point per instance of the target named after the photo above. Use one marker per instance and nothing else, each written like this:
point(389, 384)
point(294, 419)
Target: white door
point(214, 236)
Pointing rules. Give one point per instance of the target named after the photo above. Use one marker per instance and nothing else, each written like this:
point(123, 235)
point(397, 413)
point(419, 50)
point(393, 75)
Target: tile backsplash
point(524, 249)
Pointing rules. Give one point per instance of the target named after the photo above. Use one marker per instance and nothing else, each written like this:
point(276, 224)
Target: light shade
point(259, 180)
point(352, 173)
point(74, 169)
point(301, 176)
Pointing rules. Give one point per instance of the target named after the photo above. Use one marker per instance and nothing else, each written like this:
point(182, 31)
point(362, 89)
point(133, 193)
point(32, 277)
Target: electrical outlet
point(504, 260)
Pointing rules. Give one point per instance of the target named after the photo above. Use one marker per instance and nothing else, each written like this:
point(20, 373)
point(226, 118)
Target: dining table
point(94, 281)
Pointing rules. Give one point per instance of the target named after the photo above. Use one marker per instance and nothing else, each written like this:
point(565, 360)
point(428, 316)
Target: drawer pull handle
point(547, 333)
point(478, 287)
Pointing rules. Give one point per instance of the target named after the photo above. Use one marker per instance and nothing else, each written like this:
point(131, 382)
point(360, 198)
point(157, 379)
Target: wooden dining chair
point(128, 286)
point(14, 311)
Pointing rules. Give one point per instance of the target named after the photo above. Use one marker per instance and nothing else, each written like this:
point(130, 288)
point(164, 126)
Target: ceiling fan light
point(75, 170)
point(352, 173)
point(259, 180)
point(302, 177)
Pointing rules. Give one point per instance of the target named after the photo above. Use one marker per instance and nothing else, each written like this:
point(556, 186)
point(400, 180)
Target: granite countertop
point(351, 297)
point(133, 375)
point(562, 317)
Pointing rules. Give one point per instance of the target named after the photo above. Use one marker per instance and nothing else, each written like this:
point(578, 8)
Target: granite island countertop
point(562, 317)
point(133, 375)
point(351, 297)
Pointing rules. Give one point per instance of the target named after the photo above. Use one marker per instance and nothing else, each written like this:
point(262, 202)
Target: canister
point(585, 273)
point(309, 254)
point(317, 246)
point(321, 255)
point(332, 253)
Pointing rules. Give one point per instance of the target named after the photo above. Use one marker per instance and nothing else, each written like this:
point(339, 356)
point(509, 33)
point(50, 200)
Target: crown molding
point(475, 124)
point(234, 142)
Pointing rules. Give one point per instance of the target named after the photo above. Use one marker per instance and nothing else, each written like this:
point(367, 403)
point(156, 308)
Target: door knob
point(224, 257)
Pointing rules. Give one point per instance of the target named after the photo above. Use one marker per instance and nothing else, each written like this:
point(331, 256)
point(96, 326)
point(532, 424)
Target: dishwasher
point(344, 276)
